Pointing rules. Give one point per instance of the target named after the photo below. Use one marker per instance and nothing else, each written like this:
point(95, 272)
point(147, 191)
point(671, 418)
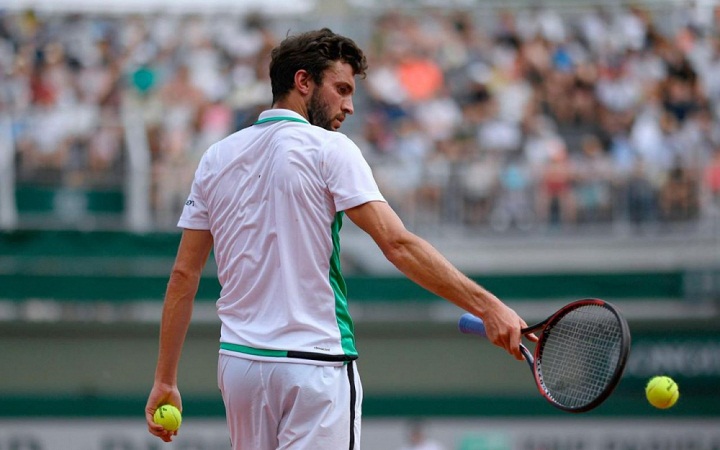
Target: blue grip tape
point(470, 324)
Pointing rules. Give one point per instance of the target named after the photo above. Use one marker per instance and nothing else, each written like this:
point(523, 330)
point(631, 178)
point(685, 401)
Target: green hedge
point(373, 406)
point(107, 265)
point(129, 287)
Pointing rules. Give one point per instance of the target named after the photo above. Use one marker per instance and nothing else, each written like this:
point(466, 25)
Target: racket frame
point(535, 361)
point(473, 325)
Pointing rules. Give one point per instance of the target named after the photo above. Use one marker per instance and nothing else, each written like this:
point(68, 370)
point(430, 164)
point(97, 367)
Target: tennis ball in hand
point(662, 392)
point(168, 416)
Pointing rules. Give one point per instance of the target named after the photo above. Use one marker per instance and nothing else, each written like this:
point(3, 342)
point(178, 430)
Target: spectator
point(655, 139)
point(593, 181)
point(401, 170)
point(641, 197)
point(176, 154)
point(711, 185)
point(418, 440)
point(678, 195)
point(557, 205)
point(513, 205)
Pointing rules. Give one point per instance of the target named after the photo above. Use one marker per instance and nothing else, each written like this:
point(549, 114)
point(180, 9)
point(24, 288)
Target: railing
point(138, 214)
point(8, 207)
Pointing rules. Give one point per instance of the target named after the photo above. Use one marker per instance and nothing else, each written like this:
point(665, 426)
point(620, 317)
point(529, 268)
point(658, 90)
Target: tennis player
point(270, 200)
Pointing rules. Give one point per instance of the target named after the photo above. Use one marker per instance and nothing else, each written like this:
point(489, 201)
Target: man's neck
point(293, 103)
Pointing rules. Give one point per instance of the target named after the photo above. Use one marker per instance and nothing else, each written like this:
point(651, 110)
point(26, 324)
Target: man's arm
point(193, 252)
point(427, 267)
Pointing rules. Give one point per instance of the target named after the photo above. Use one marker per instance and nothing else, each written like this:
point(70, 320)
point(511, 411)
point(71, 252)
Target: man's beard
point(318, 112)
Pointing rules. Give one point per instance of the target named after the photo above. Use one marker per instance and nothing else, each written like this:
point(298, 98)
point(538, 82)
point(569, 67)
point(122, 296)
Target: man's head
point(317, 57)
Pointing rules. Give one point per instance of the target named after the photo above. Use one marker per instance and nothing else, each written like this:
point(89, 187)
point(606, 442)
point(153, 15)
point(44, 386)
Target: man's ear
point(303, 82)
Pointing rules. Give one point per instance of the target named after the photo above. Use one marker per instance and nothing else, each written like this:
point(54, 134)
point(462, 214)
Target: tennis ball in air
point(662, 392)
point(168, 416)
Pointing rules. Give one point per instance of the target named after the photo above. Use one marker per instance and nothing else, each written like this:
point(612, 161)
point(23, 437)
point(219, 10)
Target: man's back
point(270, 196)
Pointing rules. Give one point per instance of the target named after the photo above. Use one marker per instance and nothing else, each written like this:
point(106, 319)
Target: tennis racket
point(580, 355)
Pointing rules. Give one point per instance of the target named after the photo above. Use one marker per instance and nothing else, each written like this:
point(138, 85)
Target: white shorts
point(290, 406)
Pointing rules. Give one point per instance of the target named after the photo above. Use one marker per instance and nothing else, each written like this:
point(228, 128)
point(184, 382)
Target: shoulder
point(332, 140)
point(228, 142)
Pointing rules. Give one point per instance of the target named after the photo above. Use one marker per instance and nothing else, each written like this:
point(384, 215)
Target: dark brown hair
point(313, 51)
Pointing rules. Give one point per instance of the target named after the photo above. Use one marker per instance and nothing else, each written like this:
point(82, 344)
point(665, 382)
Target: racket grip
point(471, 324)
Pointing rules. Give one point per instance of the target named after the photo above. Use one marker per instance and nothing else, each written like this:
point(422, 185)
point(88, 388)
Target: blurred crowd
point(542, 118)
point(503, 118)
point(78, 87)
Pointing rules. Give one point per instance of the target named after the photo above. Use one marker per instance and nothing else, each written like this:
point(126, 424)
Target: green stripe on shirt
point(253, 351)
point(337, 282)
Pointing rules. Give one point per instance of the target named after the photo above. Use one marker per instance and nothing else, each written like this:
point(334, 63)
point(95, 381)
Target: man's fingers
point(517, 353)
point(515, 341)
point(512, 346)
point(162, 433)
point(157, 429)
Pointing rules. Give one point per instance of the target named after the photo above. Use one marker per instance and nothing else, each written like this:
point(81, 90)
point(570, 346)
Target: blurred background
point(552, 150)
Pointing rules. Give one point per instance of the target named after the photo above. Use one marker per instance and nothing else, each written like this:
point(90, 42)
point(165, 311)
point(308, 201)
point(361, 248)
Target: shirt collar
point(279, 113)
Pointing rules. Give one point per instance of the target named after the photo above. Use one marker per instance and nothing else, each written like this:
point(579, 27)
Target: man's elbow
point(183, 276)
point(396, 249)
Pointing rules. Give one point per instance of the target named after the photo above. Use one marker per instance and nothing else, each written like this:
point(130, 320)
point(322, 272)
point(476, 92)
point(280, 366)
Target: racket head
point(581, 354)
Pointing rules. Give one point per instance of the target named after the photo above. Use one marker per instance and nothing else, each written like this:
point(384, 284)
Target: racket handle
point(528, 357)
point(471, 324)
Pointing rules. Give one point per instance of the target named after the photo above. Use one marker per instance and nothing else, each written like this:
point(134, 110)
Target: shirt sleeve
point(195, 214)
point(348, 175)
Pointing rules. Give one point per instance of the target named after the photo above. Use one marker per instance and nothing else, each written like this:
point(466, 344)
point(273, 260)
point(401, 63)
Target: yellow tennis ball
point(168, 416)
point(662, 392)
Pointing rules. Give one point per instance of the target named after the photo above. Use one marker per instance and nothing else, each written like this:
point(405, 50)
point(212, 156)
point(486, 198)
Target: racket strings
point(580, 355)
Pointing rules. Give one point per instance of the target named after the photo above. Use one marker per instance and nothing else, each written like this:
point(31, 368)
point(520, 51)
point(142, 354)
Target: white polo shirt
point(272, 196)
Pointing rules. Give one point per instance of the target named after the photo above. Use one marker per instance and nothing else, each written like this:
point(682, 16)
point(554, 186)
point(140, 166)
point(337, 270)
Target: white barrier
point(471, 434)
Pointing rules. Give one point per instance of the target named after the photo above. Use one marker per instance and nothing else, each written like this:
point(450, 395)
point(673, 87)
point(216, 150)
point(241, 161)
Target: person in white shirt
point(270, 200)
